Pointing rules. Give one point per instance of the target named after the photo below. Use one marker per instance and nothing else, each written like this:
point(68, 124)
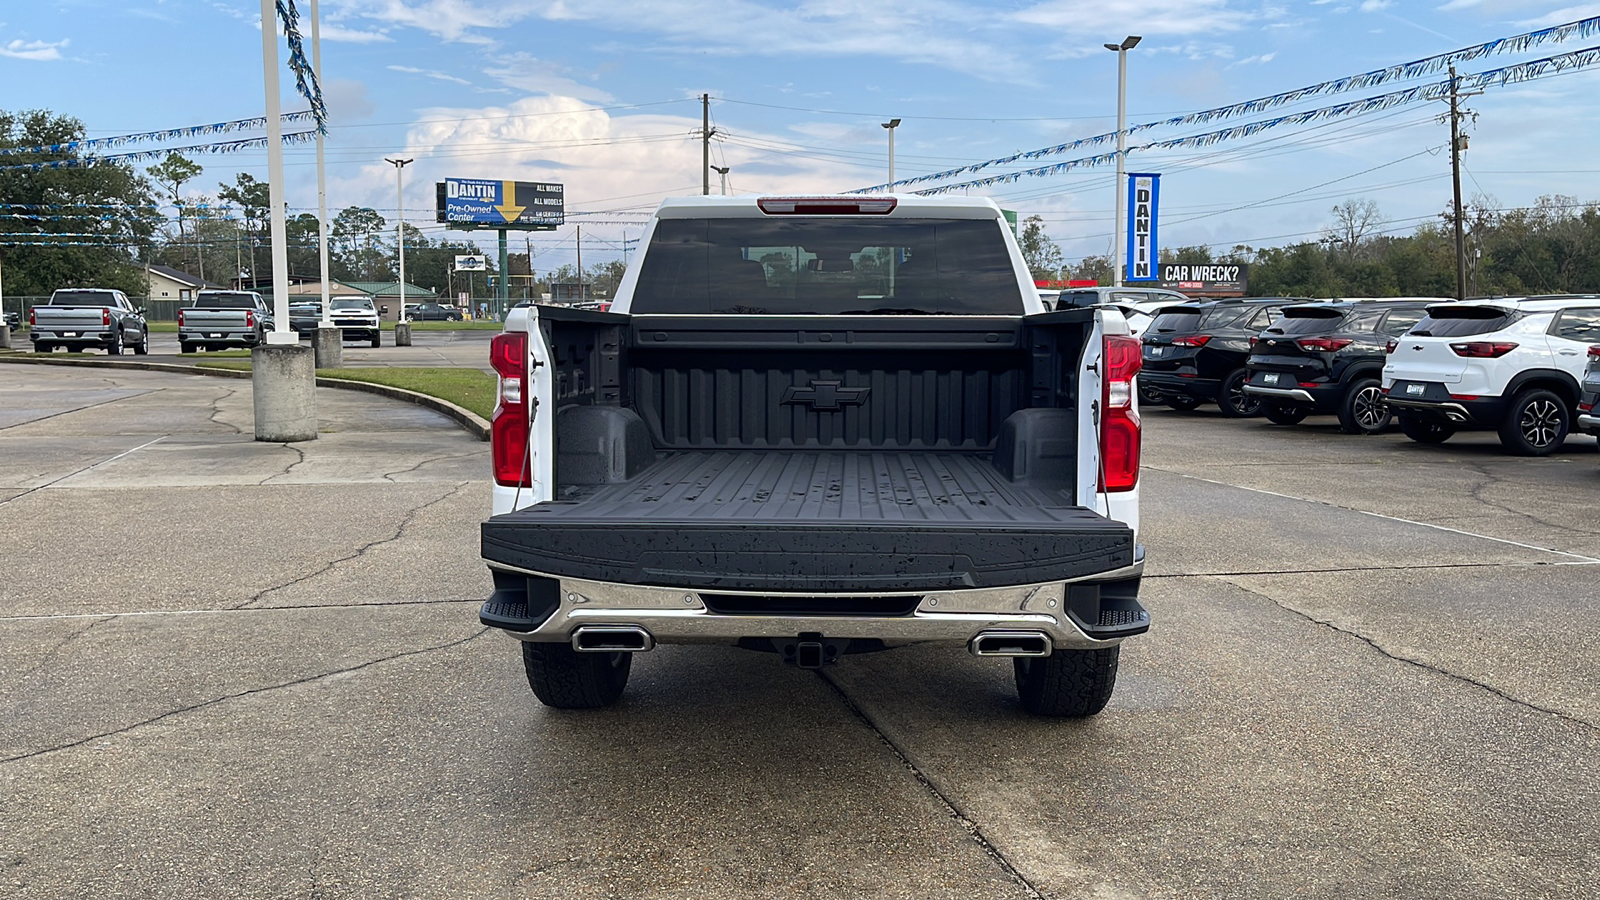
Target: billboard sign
point(471, 264)
point(1210, 280)
point(480, 203)
point(1144, 193)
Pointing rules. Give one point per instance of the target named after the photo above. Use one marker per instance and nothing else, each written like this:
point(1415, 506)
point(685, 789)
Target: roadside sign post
point(471, 204)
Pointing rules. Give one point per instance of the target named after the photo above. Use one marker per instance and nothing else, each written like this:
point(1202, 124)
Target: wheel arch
point(1560, 383)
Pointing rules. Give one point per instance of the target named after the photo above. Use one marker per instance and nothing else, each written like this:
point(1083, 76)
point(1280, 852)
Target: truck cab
point(818, 426)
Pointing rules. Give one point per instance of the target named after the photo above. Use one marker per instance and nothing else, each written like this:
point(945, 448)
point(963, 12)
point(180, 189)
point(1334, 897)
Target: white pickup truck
point(818, 426)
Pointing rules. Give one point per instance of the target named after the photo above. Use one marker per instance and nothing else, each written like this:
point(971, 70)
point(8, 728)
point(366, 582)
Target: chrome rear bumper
point(1286, 393)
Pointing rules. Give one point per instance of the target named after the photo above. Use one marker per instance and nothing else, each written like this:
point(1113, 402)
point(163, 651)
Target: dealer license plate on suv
point(1415, 390)
point(1269, 378)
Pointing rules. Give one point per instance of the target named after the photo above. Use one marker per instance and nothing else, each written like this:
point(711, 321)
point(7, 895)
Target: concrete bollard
point(5, 335)
point(329, 344)
point(284, 382)
point(402, 334)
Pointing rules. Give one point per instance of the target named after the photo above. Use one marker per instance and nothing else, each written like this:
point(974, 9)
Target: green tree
point(252, 200)
point(171, 174)
point(356, 245)
point(1041, 254)
point(105, 214)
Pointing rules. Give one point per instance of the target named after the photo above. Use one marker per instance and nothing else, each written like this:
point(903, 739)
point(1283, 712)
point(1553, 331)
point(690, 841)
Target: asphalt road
point(231, 669)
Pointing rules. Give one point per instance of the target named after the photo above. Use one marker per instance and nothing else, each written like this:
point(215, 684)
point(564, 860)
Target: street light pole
point(892, 124)
point(400, 225)
point(723, 171)
point(1128, 43)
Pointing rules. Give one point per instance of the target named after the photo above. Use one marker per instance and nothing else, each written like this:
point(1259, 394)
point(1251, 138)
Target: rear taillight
point(1119, 429)
point(32, 319)
point(508, 430)
point(1324, 345)
point(105, 317)
point(1595, 351)
point(1254, 340)
point(1585, 407)
point(249, 319)
point(1389, 347)
point(180, 318)
point(1193, 340)
point(1483, 349)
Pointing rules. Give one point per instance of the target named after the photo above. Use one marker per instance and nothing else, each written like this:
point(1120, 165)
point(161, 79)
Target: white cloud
point(34, 50)
point(1562, 16)
point(1259, 60)
point(1148, 17)
point(430, 73)
point(1375, 5)
point(535, 76)
point(332, 31)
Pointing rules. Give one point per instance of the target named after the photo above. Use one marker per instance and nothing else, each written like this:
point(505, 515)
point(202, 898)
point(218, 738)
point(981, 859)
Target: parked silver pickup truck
point(221, 319)
point(80, 318)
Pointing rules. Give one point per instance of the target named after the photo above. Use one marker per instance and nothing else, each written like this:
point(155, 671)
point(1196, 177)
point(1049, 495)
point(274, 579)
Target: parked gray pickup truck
point(221, 319)
point(80, 318)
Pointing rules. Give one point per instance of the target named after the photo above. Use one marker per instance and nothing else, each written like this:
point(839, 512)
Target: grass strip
point(468, 388)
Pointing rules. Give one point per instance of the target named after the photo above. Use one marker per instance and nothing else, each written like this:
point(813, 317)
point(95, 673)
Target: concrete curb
point(469, 421)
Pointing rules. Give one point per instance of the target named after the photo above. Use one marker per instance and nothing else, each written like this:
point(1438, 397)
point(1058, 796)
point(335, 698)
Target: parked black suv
point(1328, 357)
point(1195, 353)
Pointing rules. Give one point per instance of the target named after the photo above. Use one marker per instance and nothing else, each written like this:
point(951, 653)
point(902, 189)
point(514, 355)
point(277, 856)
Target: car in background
point(594, 305)
point(1328, 358)
point(13, 320)
point(1512, 364)
point(1589, 395)
point(433, 312)
point(356, 318)
point(221, 319)
point(305, 317)
point(1072, 298)
point(80, 318)
point(1195, 352)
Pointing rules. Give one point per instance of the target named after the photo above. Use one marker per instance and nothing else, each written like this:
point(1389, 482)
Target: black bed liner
point(824, 521)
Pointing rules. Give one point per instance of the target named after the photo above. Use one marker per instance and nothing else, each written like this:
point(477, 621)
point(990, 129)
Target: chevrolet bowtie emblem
point(826, 395)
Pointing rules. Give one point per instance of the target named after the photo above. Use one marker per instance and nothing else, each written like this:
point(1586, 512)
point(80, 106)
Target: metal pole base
point(329, 344)
point(402, 333)
point(284, 382)
point(5, 336)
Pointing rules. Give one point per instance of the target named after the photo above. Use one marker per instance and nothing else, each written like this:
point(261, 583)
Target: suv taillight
point(508, 430)
point(1324, 345)
point(1389, 347)
point(1119, 429)
point(1595, 351)
point(1483, 349)
point(1193, 340)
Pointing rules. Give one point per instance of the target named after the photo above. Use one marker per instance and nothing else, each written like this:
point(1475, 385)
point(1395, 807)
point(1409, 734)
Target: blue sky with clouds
point(603, 96)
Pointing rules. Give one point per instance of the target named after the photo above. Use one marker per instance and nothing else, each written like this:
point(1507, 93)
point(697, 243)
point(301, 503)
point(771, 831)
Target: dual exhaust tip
point(633, 639)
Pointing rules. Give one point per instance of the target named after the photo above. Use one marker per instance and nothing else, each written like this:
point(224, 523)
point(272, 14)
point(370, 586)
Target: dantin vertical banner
point(1144, 195)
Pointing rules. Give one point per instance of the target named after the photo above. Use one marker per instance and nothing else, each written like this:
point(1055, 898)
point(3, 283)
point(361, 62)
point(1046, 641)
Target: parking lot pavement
point(466, 349)
point(241, 669)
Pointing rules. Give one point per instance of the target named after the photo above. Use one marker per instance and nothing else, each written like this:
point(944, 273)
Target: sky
point(604, 97)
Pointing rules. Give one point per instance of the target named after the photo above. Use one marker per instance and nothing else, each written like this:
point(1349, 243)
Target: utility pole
point(400, 226)
point(1455, 179)
point(580, 263)
point(705, 149)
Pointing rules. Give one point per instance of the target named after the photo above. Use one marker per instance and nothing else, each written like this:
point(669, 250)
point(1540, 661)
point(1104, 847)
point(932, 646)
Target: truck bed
point(825, 521)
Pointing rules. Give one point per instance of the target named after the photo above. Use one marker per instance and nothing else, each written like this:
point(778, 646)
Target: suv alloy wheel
point(1363, 409)
point(1536, 424)
point(1232, 399)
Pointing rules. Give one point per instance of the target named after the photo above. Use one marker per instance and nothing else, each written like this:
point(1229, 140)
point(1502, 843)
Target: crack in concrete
point(216, 410)
point(389, 476)
point(65, 640)
point(238, 694)
point(957, 815)
point(1491, 480)
point(68, 412)
point(360, 551)
point(290, 467)
point(1425, 666)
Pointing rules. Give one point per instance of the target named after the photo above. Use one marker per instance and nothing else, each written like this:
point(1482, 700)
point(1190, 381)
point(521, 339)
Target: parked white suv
point(1509, 364)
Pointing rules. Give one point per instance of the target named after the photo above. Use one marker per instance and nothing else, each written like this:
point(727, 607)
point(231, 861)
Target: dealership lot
point(241, 669)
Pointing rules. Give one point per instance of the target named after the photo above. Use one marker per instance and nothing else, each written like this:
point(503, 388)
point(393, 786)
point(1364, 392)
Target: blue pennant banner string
point(295, 137)
point(1417, 68)
point(146, 137)
point(1435, 91)
point(305, 77)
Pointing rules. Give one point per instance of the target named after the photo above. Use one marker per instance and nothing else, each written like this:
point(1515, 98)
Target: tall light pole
point(329, 341)
point(892, 124)
point(400, 225)
point(723, 171)
point(1128, 43)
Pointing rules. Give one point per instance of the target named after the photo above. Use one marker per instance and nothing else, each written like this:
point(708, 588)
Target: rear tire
point(1536, 424)
point(563, 678)
point(185, 347)
point(116, 345)
point(1067, 683)
point(1425, 432)
point(1232, 399)
point(1279, 414)
point(143, 347)
point(1181, 402)
point(1363, 409)
point(1149, 395)
point(44, 348)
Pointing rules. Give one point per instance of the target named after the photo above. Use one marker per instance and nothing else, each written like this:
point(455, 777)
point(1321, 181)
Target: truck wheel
point(1278, 414)
point(1363, 409)
point(42, 347)
point(1180, 402)
point(566, 679)
point(377, 340)
point(1232, 399)
point(1425, 432)
point(1149, 395)
point(185, 347)
point(1067, 683)
point(1536, 424)
point(143, 347)
point(116, 346)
